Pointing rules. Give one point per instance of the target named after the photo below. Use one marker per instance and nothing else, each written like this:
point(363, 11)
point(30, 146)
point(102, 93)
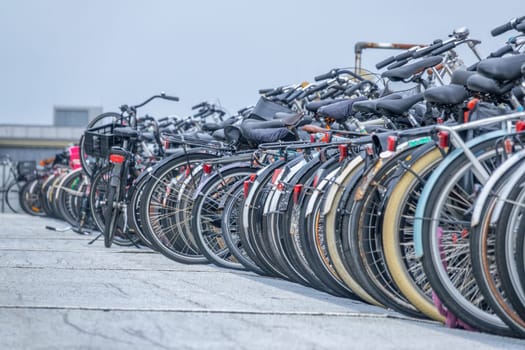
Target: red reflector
point(472, 103)
point(116, 158)
point(509, 146)
point(188, 171)
point(520, 125)
point(275, 175)
point(343, 152)
point(280, 186)
point(392, 143)
point(253, 177)
point(207, 168)
point(296, 192)
point(312, 138)
point(246, 188)
point(443, 139)
point(166, 144)
point(316, 181)
point(440, 120)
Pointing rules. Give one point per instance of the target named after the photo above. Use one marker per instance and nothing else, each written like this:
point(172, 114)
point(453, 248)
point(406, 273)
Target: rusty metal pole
point(361, 45)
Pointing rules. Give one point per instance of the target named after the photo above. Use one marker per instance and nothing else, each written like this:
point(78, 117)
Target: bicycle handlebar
point(385, 62)
point(502, 51)
point(338, 71)
point(162, 95)
point(507, 26)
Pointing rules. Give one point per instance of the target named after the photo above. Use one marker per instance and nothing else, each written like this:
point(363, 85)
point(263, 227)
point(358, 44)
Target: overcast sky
point(108, 52)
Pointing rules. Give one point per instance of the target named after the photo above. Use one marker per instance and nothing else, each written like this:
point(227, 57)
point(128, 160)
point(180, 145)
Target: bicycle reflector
point(296, 192)
point(253, 177)
point(343, 152)
point(392, 143)
point(520, 125)
point(246, 188)
point(276, 174)
point(116, 158)
point(444, 138)
point(207, 168)
point(509, 146)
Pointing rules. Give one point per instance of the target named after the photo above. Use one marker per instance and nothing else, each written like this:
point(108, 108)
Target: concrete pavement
point(57, 292)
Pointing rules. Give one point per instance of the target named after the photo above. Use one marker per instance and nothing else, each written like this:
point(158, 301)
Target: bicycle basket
point(99, 140)
point(266, 109)
point(25, 169)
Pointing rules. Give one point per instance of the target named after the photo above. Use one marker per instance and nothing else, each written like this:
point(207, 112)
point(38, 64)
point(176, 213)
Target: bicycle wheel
point(231, 225)
point(98, 195)
point(361, 235)
point(111, 213)
point(443, 215)
point(12, 196)
point(397, 228)
point(251, 219)
point(70, 196)
point(207, 210)
point(160, 209)
point(332, 226)
point(31, 198)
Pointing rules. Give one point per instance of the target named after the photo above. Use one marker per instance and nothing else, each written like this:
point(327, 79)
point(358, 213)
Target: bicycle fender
point(336, 184)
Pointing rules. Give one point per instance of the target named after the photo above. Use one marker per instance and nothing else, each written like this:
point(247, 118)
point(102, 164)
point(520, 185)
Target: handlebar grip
point(325, 76)
point(443, 48)
point(200, 105)
point(171, 98)
point(404, 55)
point(397, 64)
point(501, 29)
point(319, 87)
point(294, 95)
point(385, 62)
point(521, 27)
point(502, 51)
point(264, 91)
point(352, 89)
point(163, 119)
point(275, 92)
point(426, 50)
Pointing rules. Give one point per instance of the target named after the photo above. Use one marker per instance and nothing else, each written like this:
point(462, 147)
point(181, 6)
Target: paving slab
point(59, 292)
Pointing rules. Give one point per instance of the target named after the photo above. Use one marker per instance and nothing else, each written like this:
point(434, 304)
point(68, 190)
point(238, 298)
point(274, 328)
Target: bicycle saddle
point(315, 105)
point(502, 69)
point(340, 110)
point(479, 83)
point(370, 106)
point(398, 106)
point(452, 94)
point(460, 77)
